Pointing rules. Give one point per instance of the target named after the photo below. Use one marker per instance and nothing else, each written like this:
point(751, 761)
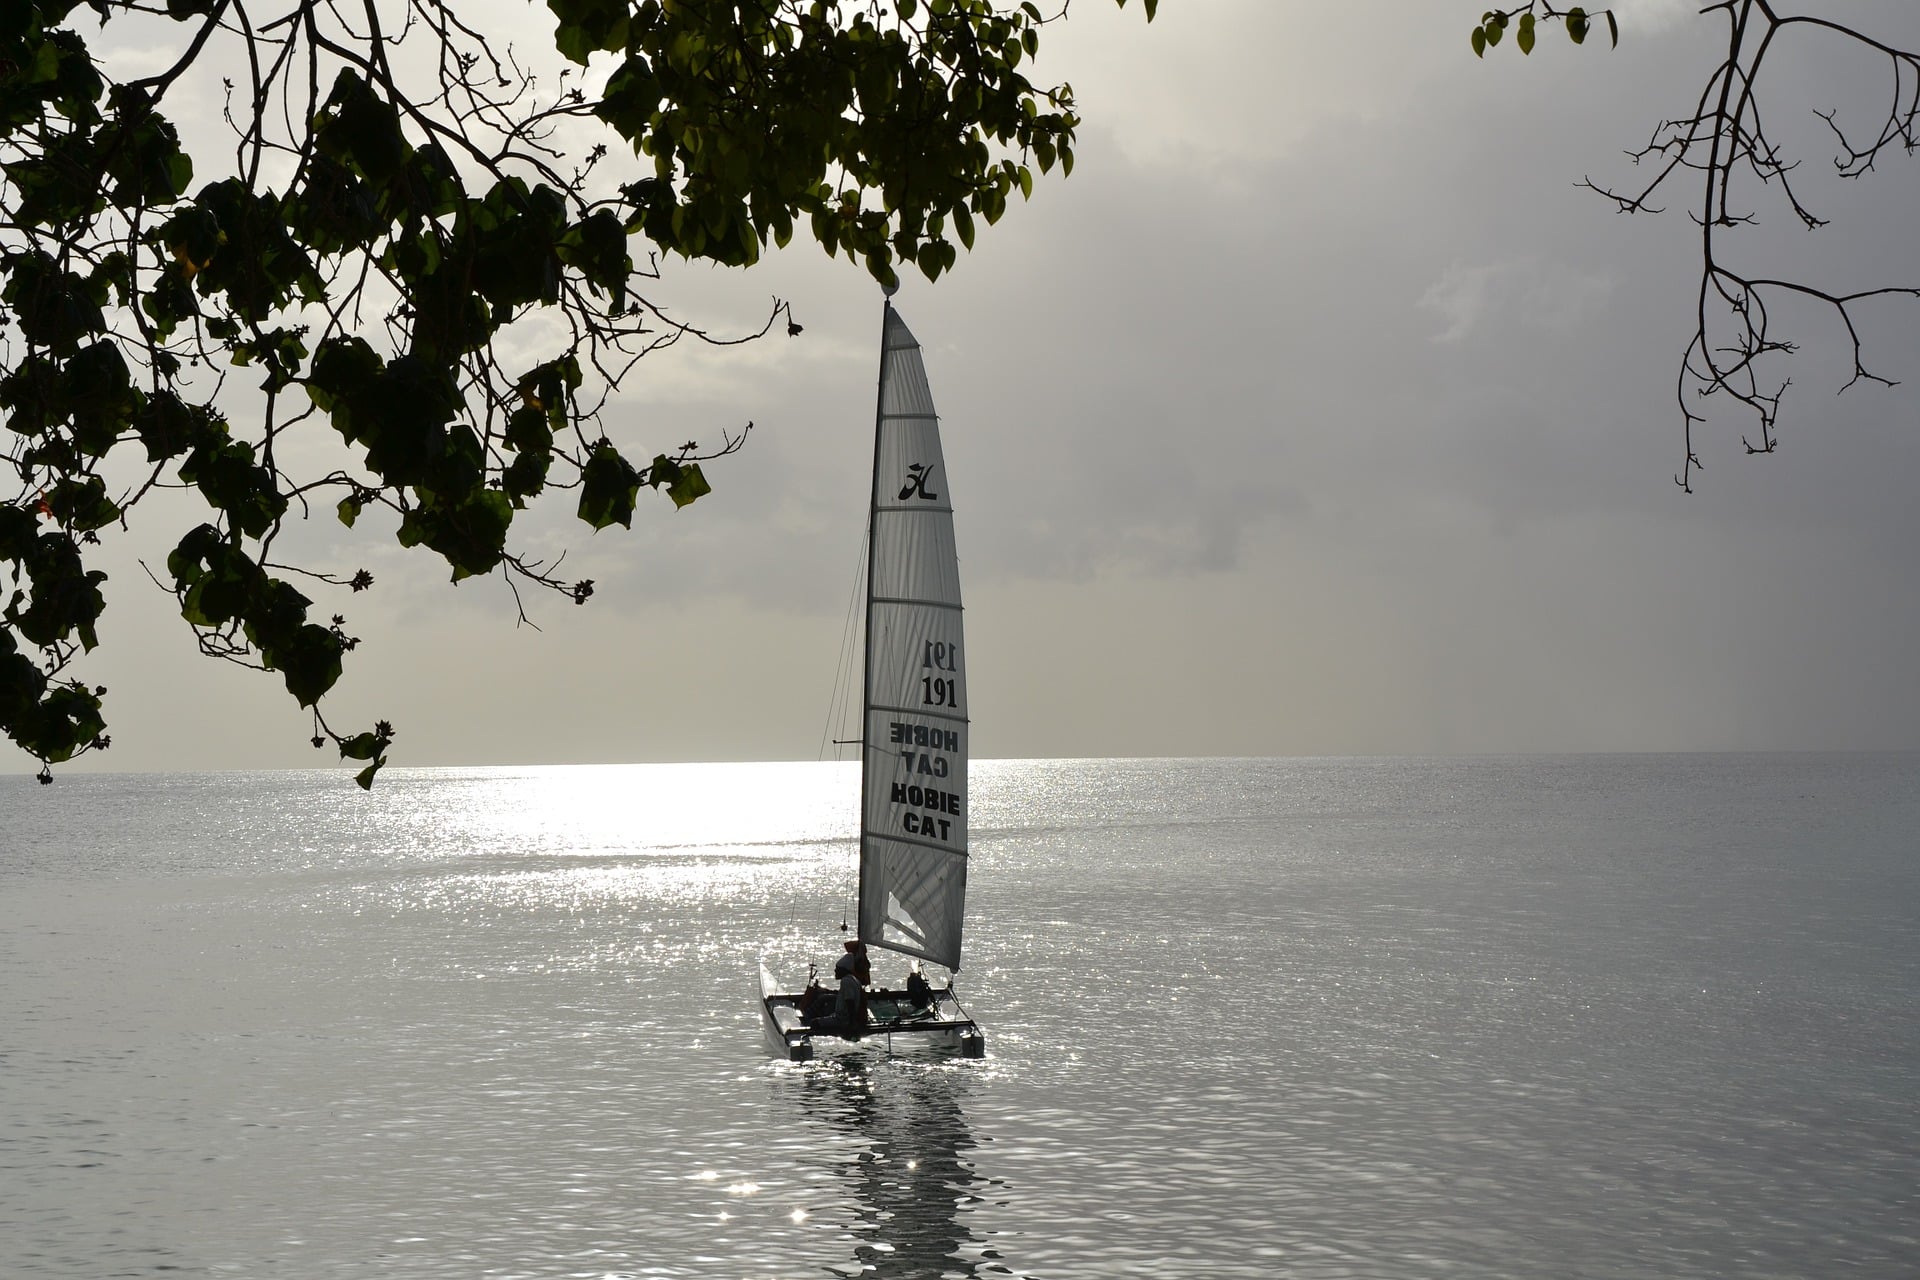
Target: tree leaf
point(688, 486)
point(609, 488)
point(308, 660)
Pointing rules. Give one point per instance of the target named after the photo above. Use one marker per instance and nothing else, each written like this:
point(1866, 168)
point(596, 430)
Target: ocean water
point(1574, 1017)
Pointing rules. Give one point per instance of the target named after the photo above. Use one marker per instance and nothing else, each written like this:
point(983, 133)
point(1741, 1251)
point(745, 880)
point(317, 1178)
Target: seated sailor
point(919, 991)
point(849, 1015)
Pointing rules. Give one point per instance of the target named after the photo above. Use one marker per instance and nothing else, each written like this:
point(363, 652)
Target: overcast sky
point(1319, 412)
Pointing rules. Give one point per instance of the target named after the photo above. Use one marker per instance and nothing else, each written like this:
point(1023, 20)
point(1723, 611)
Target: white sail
point(913, 828)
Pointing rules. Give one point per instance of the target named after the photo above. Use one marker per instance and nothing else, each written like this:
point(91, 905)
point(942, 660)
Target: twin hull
point(939, 1023)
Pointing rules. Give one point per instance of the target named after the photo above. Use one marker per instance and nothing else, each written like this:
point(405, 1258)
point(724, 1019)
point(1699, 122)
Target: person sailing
point(919, 990)
point(855, 961)
point(853, 971)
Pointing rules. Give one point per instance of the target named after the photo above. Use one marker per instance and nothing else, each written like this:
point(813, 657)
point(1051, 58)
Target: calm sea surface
point(1569, 1017)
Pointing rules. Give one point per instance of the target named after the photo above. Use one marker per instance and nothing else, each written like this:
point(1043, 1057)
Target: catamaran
point(913, 748)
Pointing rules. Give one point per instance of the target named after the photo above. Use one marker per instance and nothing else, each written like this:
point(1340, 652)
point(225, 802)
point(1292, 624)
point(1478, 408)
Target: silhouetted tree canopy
point(395, 194)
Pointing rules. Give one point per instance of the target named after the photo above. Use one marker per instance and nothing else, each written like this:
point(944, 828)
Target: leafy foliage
point(1525, 20)
point(395, 197)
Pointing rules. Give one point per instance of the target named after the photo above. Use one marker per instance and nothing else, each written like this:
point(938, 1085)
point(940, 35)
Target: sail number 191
point(941, 656)
point(939, 691)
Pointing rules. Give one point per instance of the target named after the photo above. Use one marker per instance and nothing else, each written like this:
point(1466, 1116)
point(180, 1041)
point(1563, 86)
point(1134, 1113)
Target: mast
point(866, 626)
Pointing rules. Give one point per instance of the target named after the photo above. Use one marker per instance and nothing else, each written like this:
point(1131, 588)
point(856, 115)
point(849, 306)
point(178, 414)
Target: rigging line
point(853, 711)
point(840, 698)
point(838, 701)
point(853, 630)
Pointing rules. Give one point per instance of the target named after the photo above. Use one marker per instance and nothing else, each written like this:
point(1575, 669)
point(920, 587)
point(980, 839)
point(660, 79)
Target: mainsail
point(913, 782)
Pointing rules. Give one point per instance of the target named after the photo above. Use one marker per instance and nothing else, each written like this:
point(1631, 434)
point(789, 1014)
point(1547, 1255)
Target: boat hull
point(895, 1022)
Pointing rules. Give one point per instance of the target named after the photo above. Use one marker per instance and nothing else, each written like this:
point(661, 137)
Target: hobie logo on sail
point(917, 476)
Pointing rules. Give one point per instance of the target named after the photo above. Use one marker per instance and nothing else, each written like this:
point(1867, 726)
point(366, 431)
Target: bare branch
point(1722, 142)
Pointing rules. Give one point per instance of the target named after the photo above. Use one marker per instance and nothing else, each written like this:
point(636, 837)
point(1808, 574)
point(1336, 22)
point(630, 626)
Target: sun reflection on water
point(582, 839)
point(585, 811)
